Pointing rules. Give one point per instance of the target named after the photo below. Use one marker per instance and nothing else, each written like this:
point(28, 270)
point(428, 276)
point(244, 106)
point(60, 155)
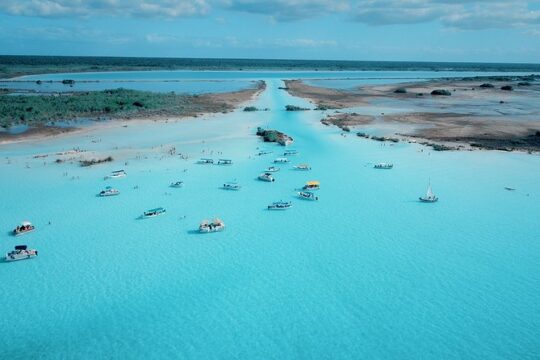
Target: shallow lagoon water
point(366, 272)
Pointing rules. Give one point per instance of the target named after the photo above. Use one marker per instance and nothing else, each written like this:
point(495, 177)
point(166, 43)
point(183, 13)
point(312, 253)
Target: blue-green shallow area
point(365, 272)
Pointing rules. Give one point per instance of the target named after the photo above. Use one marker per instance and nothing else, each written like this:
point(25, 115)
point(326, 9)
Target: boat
point(385, 166)
point(21, 252)
point(280, 205)
point(266, 177)
point(281, 160)
point(25, 228)
point(154, 212)
point(429, 197)
point(211, 226)
point(303, 167)
point(109, 191)
point(509, 188)
point(116, 174)
point(263, 152)
point(290, 152)
point(205, 161)
point(177, 184)
point(307, 195)
point(272, 169)
point(312, 185)
point(224, 162)
point(231, 186)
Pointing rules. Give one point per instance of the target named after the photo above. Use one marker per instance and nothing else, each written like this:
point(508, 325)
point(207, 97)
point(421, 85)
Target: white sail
point(429, 193)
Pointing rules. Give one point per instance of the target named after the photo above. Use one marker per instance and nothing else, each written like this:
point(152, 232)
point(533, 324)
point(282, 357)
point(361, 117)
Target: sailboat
point(429, 197)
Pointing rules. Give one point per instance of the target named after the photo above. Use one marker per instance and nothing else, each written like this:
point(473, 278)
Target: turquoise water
point(366, 272)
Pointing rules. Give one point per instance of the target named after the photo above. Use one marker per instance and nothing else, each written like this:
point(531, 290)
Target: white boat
point(177, 184)
point(263, 152)
point(211, 226)
point(25, 228)
point(302, 167)
point(280, 205)
point(290, 152)
point(206, 161)
point(312, 185)
point(272, 169)
point(224, 162)
point(231, 186)
point(21, 252)
point(266, 177)
point(429, 197)
point(154, 212)
point(307, 195)
point(116, 174)
point(281, 160)
point(384, 166)
point(109, 191)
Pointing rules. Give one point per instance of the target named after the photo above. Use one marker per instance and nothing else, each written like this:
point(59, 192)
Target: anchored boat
point(211, 226)
point(312, 185)
point(116, 174)
point(25, 228)
point(307, 195)
point(21, 252)
point(302, 167)
point(384, 166)
point(177, 184)
point(266, 177)
point(272, 169)
point(290, 152)
point(263, 152)
point(109, 191)
point(206, 161)
point(154, 212)
point(280, 205)
point(429, 197)
point(224, 162)
point(231, 186)
point(281, 160)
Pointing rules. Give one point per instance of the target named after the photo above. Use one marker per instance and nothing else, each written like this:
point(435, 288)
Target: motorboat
point(25, 228)
point(272, 169)
point(154, 212)
point(109, 191)
point(206, 161)
point(509, 188)
point(177, 184)
point(263, 152)
point(266, 177)
point(116, 174)
point(211, 226)
point(307, 195)
point(384, 166)
point(312, 185)
point(281, 160)
point(429, 197)
point(231, 186)
point(280, 205)
point(290, 152)
point(224, 162)
point(21, 252)
point(302, 167)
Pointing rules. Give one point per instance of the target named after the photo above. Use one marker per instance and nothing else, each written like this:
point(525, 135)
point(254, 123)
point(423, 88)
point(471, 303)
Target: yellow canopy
point(313, 183)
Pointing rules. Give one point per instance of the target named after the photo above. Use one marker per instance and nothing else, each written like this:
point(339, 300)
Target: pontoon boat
point(307, 195)
point(116, 174)
point(206, 161)
point(231, 186)
point(384, 166)
point(312, 185)
point(303, 167)
point(213, 226)
point(280, 205)
point(24, 228)
point(154, 212)
point(224, 162)
point(21, 252)
point(109, 191)
point(177, 184)
point(266, 177)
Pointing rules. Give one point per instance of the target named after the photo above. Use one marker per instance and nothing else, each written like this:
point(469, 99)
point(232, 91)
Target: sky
point(393, 30)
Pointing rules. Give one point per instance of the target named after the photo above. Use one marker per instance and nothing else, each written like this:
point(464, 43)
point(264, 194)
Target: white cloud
point(139, 8)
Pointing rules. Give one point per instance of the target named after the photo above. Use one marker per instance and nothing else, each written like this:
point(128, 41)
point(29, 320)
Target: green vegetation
point(251, 108)
point(85, 163)
point(294, 108)
point(40, 109)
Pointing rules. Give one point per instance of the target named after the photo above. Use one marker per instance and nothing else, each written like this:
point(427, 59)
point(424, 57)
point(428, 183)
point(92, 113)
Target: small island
point(274, 136)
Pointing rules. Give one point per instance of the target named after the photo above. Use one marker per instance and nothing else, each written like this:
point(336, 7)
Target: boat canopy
point(21, 247)
point(26, 223)
point(313, 183)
